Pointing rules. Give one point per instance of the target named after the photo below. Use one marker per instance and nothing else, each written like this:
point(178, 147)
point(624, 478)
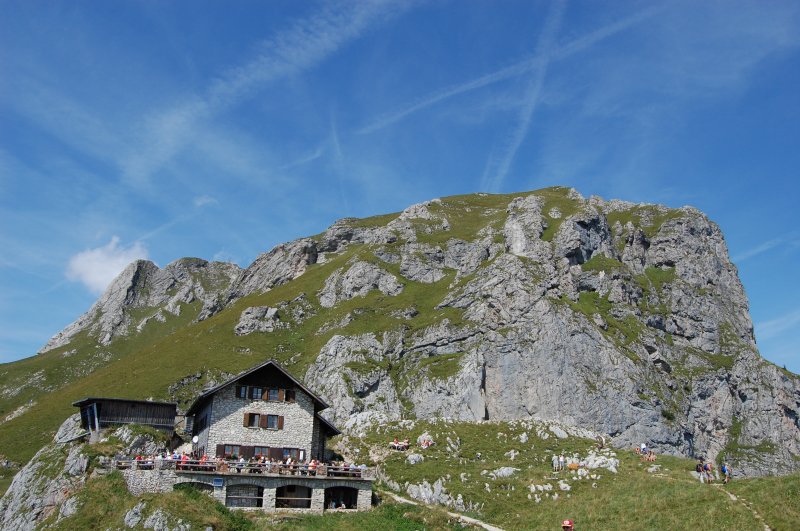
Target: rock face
point(48, 483)
point(44, 485)
point(357, 281)
point(625, 319)
point(142, 285)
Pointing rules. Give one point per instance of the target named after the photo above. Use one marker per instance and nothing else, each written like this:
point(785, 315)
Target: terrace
point(236, 468)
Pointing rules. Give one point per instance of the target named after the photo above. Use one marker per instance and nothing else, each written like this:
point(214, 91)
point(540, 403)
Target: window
point(231, 451)
point(241, 391)
point(201, 424)
point(253, 420)
point(274, 422)
point(261, 450)
point(273, 395)
point(294, 453)
point(290, 395)
point(256, 392)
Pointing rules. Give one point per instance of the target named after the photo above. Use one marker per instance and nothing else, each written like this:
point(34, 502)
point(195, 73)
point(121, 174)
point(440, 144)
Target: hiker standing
point(699, 469)
point(726, 472)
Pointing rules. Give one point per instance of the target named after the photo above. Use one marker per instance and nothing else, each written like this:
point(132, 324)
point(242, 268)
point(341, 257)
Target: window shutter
point(263, 421)
point(220, 450)
point(280, 422)
point(238, 391)
point(281, 395)
point(265, 394)
point(290, 395)
point(246, 420)
point(246, 451)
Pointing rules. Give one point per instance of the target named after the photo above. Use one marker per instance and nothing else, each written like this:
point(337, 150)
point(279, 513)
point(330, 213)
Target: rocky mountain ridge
point(621, 318)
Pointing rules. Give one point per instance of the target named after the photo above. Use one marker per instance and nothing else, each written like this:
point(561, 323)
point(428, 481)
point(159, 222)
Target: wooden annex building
point(99, 413)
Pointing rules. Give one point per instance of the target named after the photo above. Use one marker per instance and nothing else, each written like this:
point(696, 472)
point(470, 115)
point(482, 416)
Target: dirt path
point(745, 503)
point(463, 518)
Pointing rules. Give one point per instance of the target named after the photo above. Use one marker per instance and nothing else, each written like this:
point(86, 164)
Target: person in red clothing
point(567, 525)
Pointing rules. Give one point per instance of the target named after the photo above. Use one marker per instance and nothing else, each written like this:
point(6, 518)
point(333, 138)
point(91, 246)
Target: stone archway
point(293, 497)
point(337, 497)
point(244, 495)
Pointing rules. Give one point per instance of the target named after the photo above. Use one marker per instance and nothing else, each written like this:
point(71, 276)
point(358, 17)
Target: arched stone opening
point(293, 497)
point(244, 496)
point(341, 498)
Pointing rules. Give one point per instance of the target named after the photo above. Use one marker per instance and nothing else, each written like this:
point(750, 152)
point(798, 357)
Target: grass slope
point(633, 498)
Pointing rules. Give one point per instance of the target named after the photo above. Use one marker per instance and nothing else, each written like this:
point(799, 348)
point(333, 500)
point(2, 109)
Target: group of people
point(148, 461)
point(255, 465)
point(559, 462)
point(404, 445)
point(263, 464)
point(705, 470)
point(645, 453)
point(399, 445)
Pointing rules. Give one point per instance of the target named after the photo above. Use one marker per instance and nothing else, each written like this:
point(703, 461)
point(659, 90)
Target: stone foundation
point(141, 481)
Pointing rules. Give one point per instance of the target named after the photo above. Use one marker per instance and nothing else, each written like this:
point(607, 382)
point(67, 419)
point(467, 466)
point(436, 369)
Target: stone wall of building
point(227, 416)
point(141, 481)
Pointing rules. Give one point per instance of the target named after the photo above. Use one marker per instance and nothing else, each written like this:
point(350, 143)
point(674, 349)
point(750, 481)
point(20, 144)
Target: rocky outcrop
point(44, 485)
point(259, 319)
point(358, 280)
point(142, 286)
point(278, 266)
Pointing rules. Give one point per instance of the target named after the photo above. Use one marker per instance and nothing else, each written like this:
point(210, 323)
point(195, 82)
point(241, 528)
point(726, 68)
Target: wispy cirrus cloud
point(759, 249)
point(776, 327)
point(305, 44)
point(512, 71)
point(203, 200)
point(96, 268)
point(498, 165)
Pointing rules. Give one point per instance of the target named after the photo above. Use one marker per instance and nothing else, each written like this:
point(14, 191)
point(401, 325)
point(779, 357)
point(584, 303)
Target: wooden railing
point(236, 467)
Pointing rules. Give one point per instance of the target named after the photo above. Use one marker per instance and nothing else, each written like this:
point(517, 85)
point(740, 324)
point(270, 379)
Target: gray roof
point(202, 398)
point(326, 423)
point(91, 399)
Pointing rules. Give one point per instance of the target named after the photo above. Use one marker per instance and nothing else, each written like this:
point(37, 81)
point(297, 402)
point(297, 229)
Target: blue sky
point(219, 129)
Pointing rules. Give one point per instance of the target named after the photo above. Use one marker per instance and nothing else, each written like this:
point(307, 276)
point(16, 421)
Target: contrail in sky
point(511, 71)
point(496, 171)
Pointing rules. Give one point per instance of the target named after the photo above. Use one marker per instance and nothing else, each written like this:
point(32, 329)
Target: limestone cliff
point(621, 318)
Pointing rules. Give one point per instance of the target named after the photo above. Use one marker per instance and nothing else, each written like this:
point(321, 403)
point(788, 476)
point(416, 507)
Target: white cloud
point(96, 268)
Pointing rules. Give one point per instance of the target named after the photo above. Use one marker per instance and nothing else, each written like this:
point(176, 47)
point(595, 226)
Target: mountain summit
point(622, 319)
